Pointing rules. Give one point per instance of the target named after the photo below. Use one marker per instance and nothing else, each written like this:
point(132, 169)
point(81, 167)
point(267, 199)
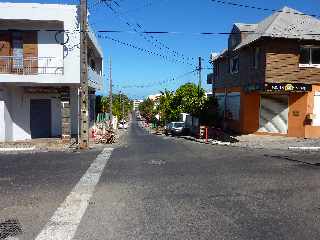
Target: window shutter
point(30, 52)
point(4, 51)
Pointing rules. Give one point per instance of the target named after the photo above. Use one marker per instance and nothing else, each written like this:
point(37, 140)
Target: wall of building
point(312, 131)
point(68, 15)
point(48, 47)
point(17, 117)
point(250, 112)
point(298, 107)
point(247, 74)
point(2, 121)
point(283, 62)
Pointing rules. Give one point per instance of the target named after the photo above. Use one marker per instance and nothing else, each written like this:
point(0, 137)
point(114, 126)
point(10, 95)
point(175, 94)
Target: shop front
point(289, 109)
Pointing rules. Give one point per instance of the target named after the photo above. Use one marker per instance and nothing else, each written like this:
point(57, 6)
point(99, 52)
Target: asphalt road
point(164, 188)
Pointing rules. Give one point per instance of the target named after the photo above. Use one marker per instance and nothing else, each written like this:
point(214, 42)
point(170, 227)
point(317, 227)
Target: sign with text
point(287, 87)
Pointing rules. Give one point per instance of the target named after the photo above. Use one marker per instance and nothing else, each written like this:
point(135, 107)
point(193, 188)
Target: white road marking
point(12, 149)
point(65, 221)
point(305, 148)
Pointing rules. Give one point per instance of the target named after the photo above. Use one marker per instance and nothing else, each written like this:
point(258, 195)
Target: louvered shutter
point(30, 52)
point(4, 52)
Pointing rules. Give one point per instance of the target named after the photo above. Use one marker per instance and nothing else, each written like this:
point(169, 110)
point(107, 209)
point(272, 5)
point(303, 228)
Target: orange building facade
point(301, 112)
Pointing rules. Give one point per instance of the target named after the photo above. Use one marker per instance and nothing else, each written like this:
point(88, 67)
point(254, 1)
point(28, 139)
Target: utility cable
point(234, 4)
point(175, 53)
point(152, 84)
point(173, 60)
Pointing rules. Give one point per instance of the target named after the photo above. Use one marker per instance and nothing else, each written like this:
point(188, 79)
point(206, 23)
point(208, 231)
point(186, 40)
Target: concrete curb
point(216, 142)
point(210, 141)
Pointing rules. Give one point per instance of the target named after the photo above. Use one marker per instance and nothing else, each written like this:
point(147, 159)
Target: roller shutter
point(274, 114)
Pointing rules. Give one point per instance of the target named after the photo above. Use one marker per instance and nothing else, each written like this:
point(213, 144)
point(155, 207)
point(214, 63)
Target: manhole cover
point(10, 228)
point(157, 162)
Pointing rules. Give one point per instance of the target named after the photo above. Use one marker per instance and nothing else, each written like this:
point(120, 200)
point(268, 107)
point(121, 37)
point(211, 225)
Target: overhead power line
point(168, 32)
point(174, 60)
point(199, 33)
point(152, 39)
point(234, 4)
point(155, 83)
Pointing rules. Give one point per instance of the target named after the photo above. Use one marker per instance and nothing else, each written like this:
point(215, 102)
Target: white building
point(40, 70)
point(136, 104)
point(156, 99)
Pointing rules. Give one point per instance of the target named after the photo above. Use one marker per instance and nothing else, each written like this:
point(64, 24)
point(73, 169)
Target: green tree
point(167, 110)
point(209, 114)
point(103, 105)
point(190, 99)
point(146, 109)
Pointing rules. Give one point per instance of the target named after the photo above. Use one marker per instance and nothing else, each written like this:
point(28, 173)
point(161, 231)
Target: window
point(256, 58)
point(304, 55)
point(17, 50)
point(315, 55)
point(92, 64)
point(233, 106)
point(234, 65)
point(216, 69)
point(310, 56)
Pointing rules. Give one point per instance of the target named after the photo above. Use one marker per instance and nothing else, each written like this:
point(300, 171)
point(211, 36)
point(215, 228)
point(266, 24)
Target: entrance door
point(40, 118)
point(274, 114)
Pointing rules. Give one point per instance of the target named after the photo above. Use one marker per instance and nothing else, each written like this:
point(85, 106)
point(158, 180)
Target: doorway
point(40, 118)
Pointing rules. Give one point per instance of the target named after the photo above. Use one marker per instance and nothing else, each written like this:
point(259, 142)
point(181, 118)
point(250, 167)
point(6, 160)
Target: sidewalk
point(36, 145)
point(277, 142)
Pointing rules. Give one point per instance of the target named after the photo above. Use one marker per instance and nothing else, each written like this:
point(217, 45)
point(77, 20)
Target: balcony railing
point(95, 80)
point(31, 65)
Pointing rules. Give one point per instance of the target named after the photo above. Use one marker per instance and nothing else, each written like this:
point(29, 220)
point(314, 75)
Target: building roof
point(222, 54)
point(285, 23)
point(244, 27)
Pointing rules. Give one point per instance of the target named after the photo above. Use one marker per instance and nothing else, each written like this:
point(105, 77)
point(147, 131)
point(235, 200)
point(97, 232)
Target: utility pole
point(123, 108)
point(199, 71)
point(84, 94)
point(120, 103)
point(110, 88)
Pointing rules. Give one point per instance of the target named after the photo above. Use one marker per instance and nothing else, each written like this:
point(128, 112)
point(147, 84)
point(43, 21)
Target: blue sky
point(132, 67)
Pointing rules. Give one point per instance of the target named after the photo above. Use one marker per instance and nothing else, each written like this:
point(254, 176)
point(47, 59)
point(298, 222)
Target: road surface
point(161, 188)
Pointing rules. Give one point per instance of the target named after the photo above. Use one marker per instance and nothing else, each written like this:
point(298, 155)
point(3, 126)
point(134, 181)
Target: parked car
point(123, 124)
point(174, 128)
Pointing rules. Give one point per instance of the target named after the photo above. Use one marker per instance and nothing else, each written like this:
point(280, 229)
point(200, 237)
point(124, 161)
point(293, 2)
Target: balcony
point(31, 65)
point(95, 80)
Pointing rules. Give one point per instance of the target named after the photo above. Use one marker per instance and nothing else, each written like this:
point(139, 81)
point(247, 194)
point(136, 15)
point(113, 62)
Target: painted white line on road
point(12, 149)
point(305, 148)
point(65, 221)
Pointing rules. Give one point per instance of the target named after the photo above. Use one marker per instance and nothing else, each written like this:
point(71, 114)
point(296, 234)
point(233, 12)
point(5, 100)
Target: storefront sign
point(287, 87)
point(41, 90)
